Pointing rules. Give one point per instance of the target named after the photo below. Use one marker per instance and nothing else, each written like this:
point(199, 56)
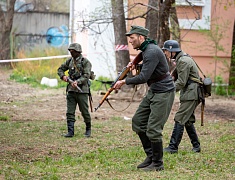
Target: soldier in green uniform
point(186, 68)
point(153, 111)
point(79, 69)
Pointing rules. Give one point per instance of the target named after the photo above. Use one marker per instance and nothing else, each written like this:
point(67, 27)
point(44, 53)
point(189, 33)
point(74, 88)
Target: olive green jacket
point(186, 68)
point(79, 70)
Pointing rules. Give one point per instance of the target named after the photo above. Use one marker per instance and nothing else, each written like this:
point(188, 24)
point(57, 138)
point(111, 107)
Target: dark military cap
point(138, 30)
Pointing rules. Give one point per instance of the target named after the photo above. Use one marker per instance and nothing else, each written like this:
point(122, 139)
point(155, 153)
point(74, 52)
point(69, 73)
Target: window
point(204, 22)
point(187, 2)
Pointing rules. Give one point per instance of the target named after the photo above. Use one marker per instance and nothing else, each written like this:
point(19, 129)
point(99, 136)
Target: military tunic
point(79, 70)
point(186, 68)
point(155, 107)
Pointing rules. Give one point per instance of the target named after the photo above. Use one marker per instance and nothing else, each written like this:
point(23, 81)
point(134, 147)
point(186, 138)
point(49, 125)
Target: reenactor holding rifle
point(79, 70)
point(153, 111)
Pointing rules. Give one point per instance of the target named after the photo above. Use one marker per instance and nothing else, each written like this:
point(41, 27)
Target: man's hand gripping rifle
point(71, 82)
point(121, 76)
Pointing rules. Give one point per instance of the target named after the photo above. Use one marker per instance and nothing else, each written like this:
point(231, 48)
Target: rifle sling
point(135, 89)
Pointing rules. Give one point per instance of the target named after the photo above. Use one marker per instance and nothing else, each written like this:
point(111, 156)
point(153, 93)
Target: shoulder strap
point(192, 78)
point(196, 65)
point(76, 66)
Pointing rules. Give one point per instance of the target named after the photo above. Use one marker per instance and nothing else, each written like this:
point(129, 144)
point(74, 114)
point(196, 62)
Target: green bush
point(31, 72)
point(220, 89)
point(96, 85)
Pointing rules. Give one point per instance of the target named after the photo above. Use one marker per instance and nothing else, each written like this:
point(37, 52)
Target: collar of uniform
point(179, 55)
point(78, 58)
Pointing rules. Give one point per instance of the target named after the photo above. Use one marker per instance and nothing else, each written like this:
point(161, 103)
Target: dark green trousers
point(152, 114)
point(185, 113)
point(74, 99)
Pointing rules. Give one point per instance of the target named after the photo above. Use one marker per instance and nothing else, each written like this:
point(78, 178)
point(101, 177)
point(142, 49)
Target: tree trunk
point(232, 64)
point(164, 31)
point(6, 21)
point(152, 20)
point(122, 56)
point(232, 70)
point(175, 29)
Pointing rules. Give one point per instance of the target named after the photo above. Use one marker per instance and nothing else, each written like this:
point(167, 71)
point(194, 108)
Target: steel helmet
point(171, 46)
point(75, 46)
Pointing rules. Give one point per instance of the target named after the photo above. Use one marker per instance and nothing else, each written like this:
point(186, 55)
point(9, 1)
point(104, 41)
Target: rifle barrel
point(104, 97)
point(71, 81)
point(121, 76)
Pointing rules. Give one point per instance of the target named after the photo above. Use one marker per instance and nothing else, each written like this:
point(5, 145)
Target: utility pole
point(71, 22)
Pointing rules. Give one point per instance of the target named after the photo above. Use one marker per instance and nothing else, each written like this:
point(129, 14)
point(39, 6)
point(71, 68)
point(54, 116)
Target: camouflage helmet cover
point(75, 46)
point(172, 46)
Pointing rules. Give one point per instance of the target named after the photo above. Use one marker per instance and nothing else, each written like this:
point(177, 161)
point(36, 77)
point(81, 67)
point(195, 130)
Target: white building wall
point(99, 49)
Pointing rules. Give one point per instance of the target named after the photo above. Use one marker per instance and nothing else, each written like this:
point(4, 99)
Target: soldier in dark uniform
point(153, 111)
point(79, 69)
point(186, 68)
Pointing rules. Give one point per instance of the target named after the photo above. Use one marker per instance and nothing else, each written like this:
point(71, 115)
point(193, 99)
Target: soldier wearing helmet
point(171, 46)
point(184, 117)
point(75, 46)
point(153, 111)
point(79, 69)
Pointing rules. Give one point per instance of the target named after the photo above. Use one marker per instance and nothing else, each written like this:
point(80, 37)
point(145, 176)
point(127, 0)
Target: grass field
point(36, 150)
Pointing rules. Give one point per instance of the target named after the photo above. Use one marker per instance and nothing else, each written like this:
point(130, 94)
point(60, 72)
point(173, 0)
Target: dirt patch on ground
point(23, 103)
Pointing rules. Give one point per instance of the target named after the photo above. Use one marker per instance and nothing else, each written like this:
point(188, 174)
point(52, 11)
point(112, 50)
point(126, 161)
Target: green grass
point(4, 118)
point(36, 150)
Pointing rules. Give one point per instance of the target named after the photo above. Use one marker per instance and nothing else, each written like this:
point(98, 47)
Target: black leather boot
point(88, 130)
point(70, 125)
point(193, 137)
point(157, 162)
point(175, 138)
point(147, 149)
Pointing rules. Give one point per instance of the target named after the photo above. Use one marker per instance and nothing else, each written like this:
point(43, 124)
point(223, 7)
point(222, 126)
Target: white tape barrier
point(35, 59)
point(52, 57)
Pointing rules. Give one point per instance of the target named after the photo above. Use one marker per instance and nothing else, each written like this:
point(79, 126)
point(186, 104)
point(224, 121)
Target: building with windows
point(206, 33)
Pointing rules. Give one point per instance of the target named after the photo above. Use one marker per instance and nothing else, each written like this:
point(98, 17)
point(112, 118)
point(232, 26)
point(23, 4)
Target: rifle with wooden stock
point(121, 76)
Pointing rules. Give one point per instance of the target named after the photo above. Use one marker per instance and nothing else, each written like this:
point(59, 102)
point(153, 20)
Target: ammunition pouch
point(204, 85)
point(74, 75)
point(189, 82)
point(92, 76)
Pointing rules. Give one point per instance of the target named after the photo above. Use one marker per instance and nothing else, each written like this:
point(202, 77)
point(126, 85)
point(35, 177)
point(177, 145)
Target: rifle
point(80, 90)
point(90, 99)
point(71, 81)
point(202, 114)
point(121, 76)
point(174, 74)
